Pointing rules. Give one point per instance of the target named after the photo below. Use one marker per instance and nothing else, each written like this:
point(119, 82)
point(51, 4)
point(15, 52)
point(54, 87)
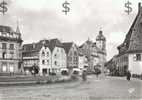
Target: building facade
point(101, 44)
point(45, 60)
point(48, 55)
point(72, 55)
point(130, 51)
point(58, 56)
point(135, 44)
point(95, 51)
point(10, 45)
point(82, 61)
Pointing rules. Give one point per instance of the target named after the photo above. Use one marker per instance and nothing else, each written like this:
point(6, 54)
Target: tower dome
point(100, 36)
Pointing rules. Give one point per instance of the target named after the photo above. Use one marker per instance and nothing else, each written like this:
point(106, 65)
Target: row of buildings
point(50, 55)
point(130, 51)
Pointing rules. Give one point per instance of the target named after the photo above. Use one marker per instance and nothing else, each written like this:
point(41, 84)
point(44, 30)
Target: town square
point(108, 88)
point(70, 50)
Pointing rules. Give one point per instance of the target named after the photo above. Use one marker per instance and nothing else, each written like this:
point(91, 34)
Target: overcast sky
point(39, 19)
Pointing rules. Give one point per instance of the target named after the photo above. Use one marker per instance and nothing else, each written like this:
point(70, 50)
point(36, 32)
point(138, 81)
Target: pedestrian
point(84, 75)
point(128, 75)
point(98, 71)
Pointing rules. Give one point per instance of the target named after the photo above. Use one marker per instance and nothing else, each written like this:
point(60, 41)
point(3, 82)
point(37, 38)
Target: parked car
point(77, 71)
point(52, 73)
point(64, 71)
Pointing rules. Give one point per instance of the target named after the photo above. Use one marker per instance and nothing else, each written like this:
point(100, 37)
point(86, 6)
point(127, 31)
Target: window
point(75, 53)
point(55, 55)
point(44, 71)
point(43, 53)
point(3, 45)
point(47, 54)
point(11, 55)
point(11, 69)
point(4, 55)
point(138, 57)
point(43, 62)
point(55, 63)
point(47, 62)
point(11, 47)
point(4, 68)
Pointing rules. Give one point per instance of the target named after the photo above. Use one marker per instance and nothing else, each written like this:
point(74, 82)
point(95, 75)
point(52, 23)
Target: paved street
point(113, 88)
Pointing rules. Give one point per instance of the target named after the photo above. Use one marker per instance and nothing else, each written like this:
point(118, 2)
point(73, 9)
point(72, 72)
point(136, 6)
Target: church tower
point(101, 41)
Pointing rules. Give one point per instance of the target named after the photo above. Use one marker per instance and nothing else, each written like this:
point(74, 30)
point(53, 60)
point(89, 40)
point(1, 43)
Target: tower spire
point(17, 29)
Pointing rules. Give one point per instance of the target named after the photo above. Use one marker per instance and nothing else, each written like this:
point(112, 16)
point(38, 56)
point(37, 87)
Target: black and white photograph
point(70, 49)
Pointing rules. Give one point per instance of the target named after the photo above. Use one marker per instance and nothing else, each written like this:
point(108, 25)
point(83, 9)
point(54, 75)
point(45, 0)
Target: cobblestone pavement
point(103, 88)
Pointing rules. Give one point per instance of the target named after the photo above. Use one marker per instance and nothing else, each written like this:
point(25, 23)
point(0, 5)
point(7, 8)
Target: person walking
point(84, 75)
point(128, 75)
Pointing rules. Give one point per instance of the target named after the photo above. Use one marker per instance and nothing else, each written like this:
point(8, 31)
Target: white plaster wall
point(135, 66)
point(81, 62)
point(46, 57)
point(60, 59)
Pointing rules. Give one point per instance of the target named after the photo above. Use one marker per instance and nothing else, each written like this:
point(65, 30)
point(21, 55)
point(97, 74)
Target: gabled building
point(72, 55)
point(10, 45)
point(135, 45)
point(45, 58)
point(35, 54)
point(130, 51)
point(82, 61)
point(58, 57)
point(48, 55)
point(95, 51)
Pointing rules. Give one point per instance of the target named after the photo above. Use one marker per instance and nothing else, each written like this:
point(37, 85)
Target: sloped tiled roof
point(7, 34)
point(5, 29)
point(55, 43)
point(37, 46)
point(88, 42)
point(135, 41)
point(132, 40)
point(67, 46)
